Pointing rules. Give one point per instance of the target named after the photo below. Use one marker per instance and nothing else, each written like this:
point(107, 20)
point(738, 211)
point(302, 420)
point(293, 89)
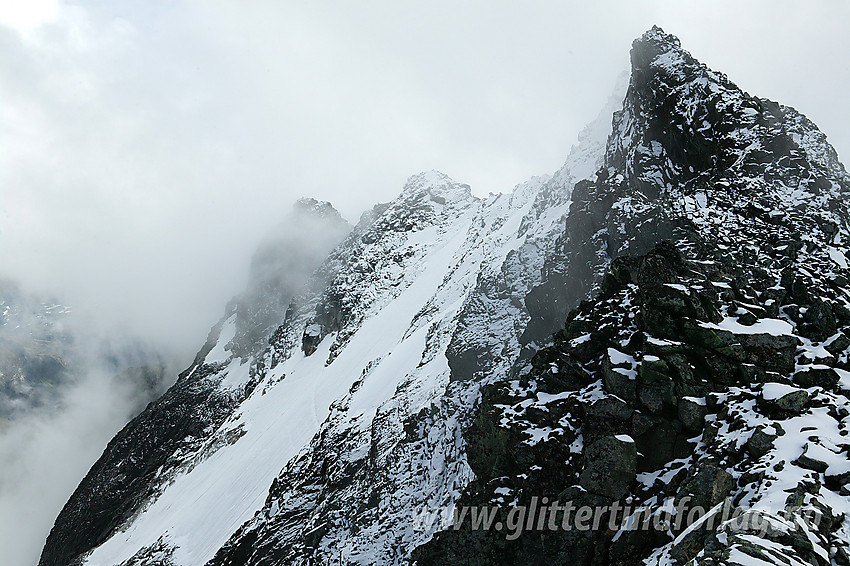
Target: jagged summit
point(439, 186)
point(318, 207)
point(658, 37)
point(711, 360)
point(687, 135)
point(625, 328)
point(668, 80)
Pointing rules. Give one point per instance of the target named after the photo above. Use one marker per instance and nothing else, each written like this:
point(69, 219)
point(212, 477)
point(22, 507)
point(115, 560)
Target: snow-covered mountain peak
point(453, 349)
point(437, 186)
point(426, 292)
point(310, 205)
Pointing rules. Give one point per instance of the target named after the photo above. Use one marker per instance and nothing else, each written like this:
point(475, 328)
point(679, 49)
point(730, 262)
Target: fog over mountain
point(144, 144)
point(151, 153)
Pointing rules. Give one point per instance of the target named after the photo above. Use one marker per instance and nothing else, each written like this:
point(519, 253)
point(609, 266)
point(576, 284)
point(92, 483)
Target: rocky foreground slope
point(712, 364)
point(417, 370)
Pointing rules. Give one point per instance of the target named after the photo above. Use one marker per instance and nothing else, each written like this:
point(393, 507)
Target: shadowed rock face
point(143, 450)
point(708, 243)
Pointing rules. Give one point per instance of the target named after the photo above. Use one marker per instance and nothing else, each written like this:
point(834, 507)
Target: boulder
point(707, 487)
point(664, 441)
point(707, 338)
point(810, 461)
point(692, 412)
point(761, 441)
point(837, 479)
point(621, 383)
point(605, 417)
point(611, 465)
point(838, 345)
point(709, 433)
point(820, 376)
point(655, 386)
point(747, 318)
point(311, 338)
point(768, 351)
point(681, 368)
point(666, 305)
point(784, 398)
point(819, 321)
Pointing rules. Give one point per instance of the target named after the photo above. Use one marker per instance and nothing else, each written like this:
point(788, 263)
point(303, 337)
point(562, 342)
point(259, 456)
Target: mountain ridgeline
point(665, 319)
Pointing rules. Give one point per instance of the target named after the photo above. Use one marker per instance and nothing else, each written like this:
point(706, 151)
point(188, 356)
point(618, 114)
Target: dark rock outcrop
point(689, 241)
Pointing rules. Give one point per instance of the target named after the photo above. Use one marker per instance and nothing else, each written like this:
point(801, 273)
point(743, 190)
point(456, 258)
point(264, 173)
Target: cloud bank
point(148, 146)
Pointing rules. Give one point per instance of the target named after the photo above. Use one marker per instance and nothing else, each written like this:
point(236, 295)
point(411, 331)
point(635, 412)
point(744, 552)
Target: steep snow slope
point(288, 406)
point(360, 357)
point(164, 438)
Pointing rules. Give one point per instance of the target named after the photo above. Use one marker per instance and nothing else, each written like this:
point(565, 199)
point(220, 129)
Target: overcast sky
point(146, 146)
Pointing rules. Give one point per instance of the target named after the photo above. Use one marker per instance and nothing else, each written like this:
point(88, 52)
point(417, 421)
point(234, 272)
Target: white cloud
point(147, 146)
point(44, 455)
point(26, 16)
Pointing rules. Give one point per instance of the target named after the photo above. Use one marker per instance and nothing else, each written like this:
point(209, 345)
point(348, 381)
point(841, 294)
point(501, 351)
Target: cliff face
point(710, 364)
point(691, 263)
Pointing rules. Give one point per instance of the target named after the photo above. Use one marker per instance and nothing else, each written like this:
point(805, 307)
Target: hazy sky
point(145, 146)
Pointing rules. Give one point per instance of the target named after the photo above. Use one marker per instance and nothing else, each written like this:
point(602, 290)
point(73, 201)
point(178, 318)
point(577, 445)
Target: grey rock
point(692, 413)
point(817, 376)
point(810, 462)
point(655, 386)
point(839, 345)
point(794, 402)
point(761, 442)
point(611, 466)
point(617, 383)
point(707, 487)
point(747, 318)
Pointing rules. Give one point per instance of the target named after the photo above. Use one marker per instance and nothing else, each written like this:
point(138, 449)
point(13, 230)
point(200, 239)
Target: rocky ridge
point(711, 366)
point(417, 367)
point(359, 358)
